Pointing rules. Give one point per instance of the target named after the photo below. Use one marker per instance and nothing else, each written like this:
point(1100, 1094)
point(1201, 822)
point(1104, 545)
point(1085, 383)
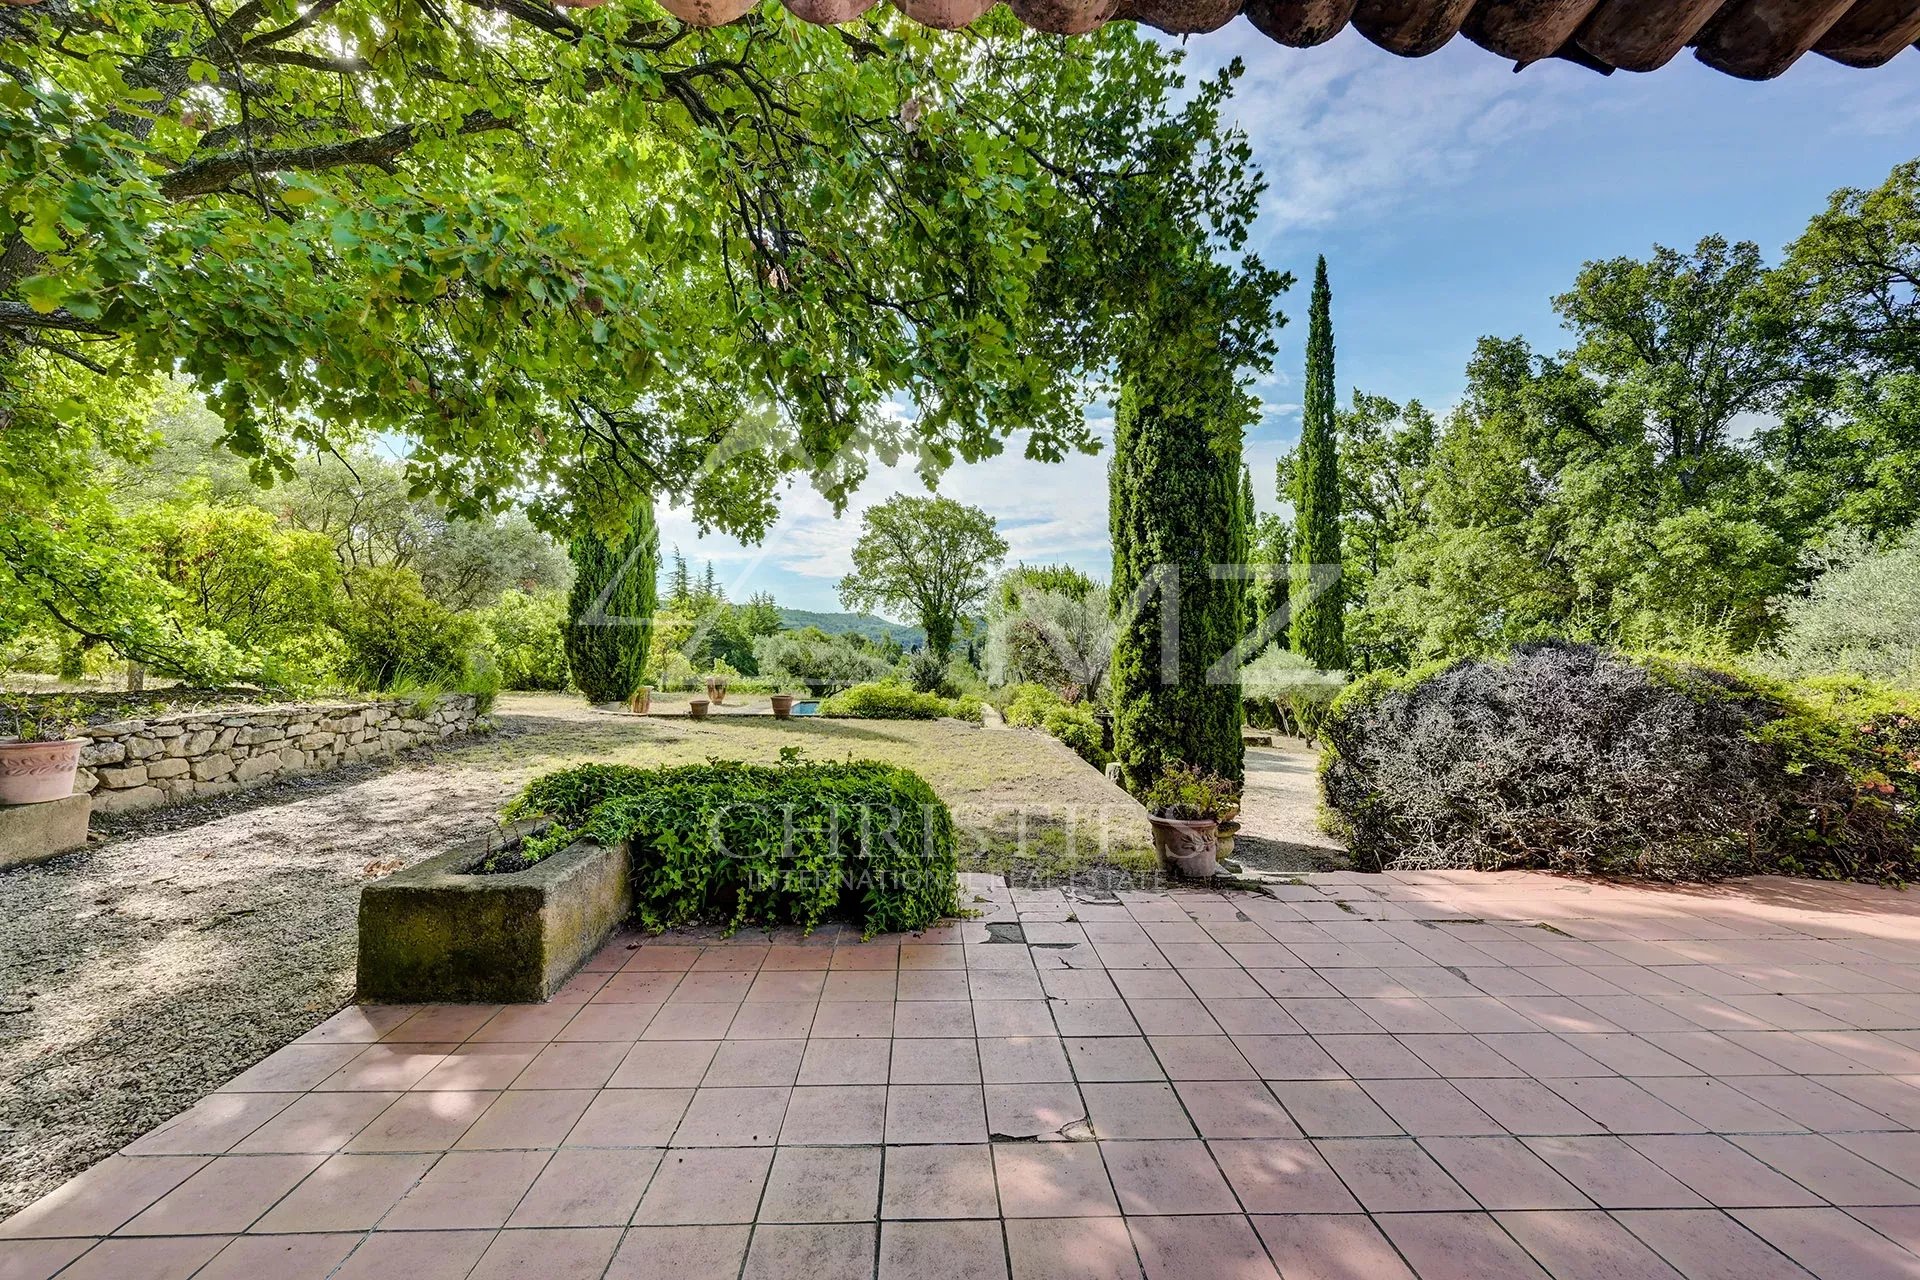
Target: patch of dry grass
point(1026, 806)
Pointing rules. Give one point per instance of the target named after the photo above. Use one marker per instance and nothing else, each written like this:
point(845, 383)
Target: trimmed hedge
point(792, 843)
point(1570, 758)
point(886, 700)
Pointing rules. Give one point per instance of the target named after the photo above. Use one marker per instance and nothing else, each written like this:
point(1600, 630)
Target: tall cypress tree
point(611, 605)
point(1318, 595)
point(1174, 507)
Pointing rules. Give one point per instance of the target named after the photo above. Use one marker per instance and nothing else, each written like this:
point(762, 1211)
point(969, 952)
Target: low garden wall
point(162, 760)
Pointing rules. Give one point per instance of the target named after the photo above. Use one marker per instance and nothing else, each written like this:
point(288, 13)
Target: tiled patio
point(1352, 1079)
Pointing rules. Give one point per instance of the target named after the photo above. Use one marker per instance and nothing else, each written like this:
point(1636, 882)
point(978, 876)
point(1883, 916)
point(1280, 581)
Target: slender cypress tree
point(1174, 502)
point(1318, 598)
point(610, 608)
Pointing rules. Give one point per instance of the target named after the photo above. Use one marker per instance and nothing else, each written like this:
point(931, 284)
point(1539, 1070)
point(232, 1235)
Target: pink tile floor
point(1434, 1074)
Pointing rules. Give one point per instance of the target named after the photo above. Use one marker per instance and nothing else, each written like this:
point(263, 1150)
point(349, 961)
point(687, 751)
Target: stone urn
point(782, 706)
point(642, 701)
point(1228, 828)
point(697, 708)
point(716, 689)
point(32, 772)
point(1188, 846)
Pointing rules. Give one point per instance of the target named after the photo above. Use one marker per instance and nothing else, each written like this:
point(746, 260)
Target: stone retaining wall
point(143, 764)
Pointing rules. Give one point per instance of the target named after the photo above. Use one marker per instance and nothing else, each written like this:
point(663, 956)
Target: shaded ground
point(1279, 814)
point(139, 973)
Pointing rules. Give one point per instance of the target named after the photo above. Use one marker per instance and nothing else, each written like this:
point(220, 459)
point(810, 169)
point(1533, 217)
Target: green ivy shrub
point(886, 700)
point(1575, 759)
point(792, 843)
point(393, 631)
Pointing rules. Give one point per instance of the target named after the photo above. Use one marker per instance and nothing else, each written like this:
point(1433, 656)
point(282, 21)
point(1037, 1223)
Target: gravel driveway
point(139, 973)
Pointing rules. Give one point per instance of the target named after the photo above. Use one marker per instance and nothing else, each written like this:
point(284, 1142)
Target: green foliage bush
point(394, 632)
point(1189, 793)
point(522, 633)
point(811, 659)
point(886, 700)
point(1030, 704)
point(927, 673)
point(1077, 727)
point(1575, 759)
point(1294, 694)
point(793, 843)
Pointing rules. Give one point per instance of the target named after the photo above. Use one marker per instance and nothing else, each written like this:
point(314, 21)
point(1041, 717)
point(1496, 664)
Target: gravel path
point(1279, 812)
point(139, 973)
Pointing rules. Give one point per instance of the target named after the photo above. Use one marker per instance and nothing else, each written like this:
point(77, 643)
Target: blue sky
point(1452, 198)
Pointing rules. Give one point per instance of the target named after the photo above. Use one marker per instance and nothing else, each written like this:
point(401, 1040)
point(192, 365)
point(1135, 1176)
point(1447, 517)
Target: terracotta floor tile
point(853, 1019)
point(1053, 1180)
point(1167, 1177)
point(1282, 1175)
point(1458, 1246)
point(442, 1023)
point(942, 1251)
point(1613, 1175)
point(579, 1064)
point(1154, 984)
point(823, 1184)
point(835, 1114)
point(1430, 1107)
point(1829, 1170)
point(946, 1113)
point(1235, 1109)
point(705, 1186)
point(864, 987)
point(931, 1061)
point(732, 1118)
point(347, 1193)
point(931, 984)
point(939, 1182)
point(1393, 1175)
point(1727, 1176)
point(1332, 1109)
point(684, 1253)
point(630, 1118)
point(1147, 1110)
point(1526, 1107)
point(1023, 1059)
point(98, 1201)
point(387, 1066)
point(294, 1069)
point(1071, 1249)
point(1897, 1153)
point(808, 1252)
point(1048, 1110)
point(524, 1023)
point(1829, 1243)
point(1200, 1248)
point(1288, 1058)
point(151, 1259)
point(1503, 1173)
point(224, 1196)
point(749, 1063)
point(529, 1118)
point(1179, 1017)
point(1811, 1104)
point(358, 1024)
point(1621, 1106)
point(664, 1064)
point(1030, 1017)
point(478, 1067)
point(418, 1255)
point(1585, 1245)
point(587, 1188)
point(1330, 1247)
point(845, 1062)
point(616, 1022)
point(212, 1125)
point(278, 1257)
point(691, 1022)
point(1716, 1105)
point(467, 1190)
point(1087, 1018)
point(572, 1254)
point(40, 1259)
point(1706, 1244)
point(1200, 1058)
point(938, 1019)
point(420, 1122)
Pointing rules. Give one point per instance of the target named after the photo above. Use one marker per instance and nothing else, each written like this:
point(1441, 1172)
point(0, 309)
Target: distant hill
point(863, 624)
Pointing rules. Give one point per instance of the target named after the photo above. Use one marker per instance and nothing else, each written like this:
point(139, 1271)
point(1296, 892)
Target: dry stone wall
point(143, 764)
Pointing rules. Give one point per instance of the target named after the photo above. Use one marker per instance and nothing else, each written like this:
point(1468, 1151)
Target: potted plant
point(38, 762)
point(642, 701)
point(1186, 806)
point(697, 708)
point(782, 706)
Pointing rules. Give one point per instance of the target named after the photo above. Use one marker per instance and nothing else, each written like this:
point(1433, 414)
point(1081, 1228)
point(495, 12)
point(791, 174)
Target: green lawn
point(1026, 806)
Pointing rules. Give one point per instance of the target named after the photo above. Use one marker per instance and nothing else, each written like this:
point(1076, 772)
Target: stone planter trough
point(438, 932)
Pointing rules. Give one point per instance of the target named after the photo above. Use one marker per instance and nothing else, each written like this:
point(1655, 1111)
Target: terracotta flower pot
point(642, 700)
point(1190, 847)
point(782, 706)
point(697, 708)
point(31, 772)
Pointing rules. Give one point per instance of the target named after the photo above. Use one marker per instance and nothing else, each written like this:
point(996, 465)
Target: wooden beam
point(1642, 35)
point(1410, 28)
point(1300, 24)
point(1758, 39)
point(1871, 33)
point(1525, 30)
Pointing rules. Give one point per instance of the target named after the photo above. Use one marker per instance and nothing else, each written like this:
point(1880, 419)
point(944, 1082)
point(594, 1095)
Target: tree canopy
point(931, 557)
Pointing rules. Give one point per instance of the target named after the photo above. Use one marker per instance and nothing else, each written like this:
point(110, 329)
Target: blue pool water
point(811, 707)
